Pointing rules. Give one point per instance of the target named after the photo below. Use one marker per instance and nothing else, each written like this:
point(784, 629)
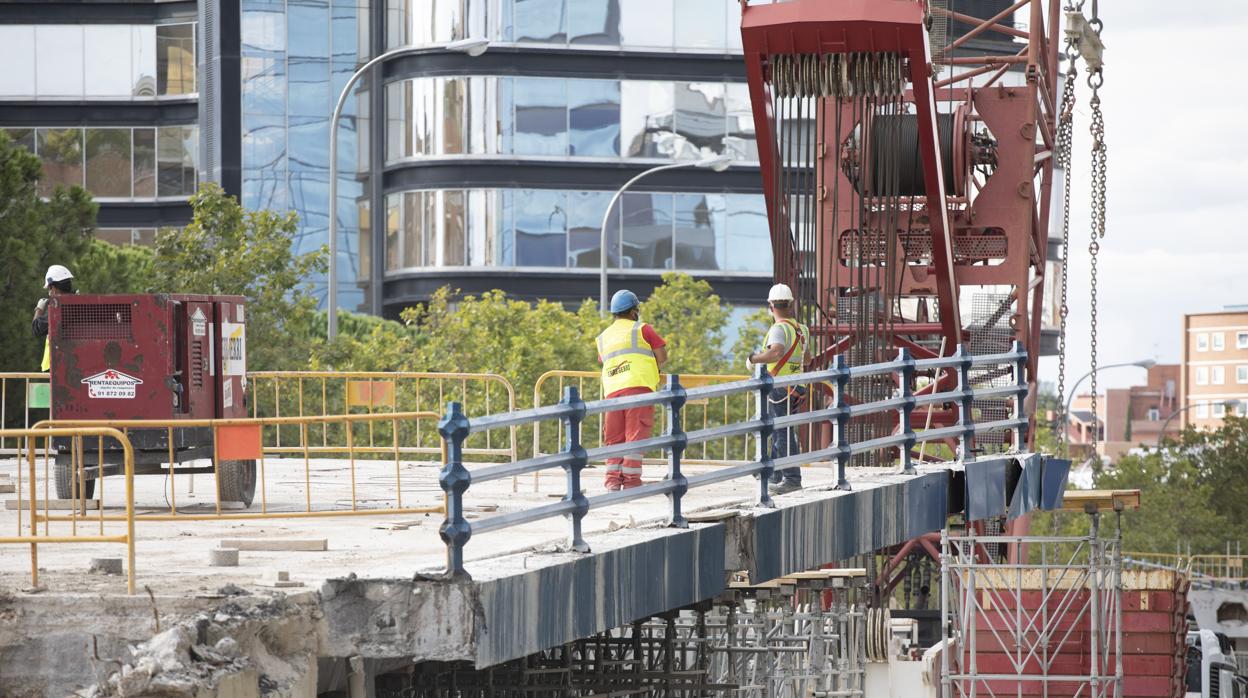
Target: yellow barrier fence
point(1220, 567)
point(321, 393)
point(80, 520)
point(697, 415)
point(314, 445)
point(24, 400)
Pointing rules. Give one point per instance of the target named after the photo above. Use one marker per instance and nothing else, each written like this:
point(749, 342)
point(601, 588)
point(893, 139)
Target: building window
point(594, 118)
point(1202, 342)
point(1218, 375)
point(1202, 410)
point(1241, 340)
point(1219, 410)
point(1202, 375)
point(1241, 374)
point(127, 236)
point(1154, 414)
point(1241, 408)
point(541, 122)
point(1217, 341)
point(115, 163)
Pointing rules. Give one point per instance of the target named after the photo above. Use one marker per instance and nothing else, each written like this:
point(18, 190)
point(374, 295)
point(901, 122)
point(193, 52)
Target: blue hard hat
point(624, 301)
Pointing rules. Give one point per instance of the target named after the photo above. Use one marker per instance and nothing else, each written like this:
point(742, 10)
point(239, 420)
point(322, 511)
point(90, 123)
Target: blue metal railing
point(455, 427)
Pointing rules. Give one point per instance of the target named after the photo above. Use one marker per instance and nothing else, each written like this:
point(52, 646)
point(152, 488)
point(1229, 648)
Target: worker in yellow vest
point(58, 280)
point(631, 353)
point(785, 354)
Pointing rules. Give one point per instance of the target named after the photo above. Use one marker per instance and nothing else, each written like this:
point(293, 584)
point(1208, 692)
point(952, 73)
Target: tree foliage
point(34, 233)
point(691, 319)
point(226, 250)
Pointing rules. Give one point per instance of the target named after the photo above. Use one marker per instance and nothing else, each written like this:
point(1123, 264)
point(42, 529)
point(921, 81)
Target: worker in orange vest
point(785, 355)
point(631, 353)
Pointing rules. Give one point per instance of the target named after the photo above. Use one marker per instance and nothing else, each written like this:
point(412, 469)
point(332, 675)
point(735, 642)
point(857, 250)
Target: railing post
point(572, 445)
point(842, 421)
point(907, 409)
point(1020, 398)
point(454, 479)
point(966, 417)
point(763, 414)
point(675, 429)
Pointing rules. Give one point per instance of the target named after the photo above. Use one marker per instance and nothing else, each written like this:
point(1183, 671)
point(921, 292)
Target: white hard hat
point(779, 292)
point(56, 273)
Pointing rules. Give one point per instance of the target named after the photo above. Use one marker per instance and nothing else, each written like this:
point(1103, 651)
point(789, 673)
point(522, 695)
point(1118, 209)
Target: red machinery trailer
point(160, 357)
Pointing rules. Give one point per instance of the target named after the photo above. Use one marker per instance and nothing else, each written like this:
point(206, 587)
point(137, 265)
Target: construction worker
point(785, 354)
point(58, 280)
point(631, 353)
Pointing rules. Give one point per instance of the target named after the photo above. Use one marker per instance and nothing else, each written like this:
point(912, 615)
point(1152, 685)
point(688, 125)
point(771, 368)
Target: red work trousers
point(623, 426)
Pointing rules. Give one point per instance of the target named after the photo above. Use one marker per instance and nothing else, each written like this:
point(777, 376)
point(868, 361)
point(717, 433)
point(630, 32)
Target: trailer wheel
point(67, 483)
point(236, 481)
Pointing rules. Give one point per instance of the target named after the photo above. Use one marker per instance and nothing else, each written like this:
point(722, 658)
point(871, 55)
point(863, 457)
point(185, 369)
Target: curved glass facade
point(565, 117)
point(558, 229)
point(116, 163)
point(643, 25)
point(97, 61)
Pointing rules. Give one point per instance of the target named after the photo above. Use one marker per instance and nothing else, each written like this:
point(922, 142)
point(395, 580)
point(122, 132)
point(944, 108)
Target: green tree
point(107, 268)
point(226, 250)
point(691, 319)
point(750, 338)
point(34, 233)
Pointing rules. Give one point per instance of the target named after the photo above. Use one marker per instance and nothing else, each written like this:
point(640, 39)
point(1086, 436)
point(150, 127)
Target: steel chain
point(1099, 161)
point(1065, 137)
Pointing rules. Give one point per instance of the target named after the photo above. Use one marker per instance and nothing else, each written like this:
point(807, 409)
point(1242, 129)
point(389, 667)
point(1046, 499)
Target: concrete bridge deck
point(374, 592)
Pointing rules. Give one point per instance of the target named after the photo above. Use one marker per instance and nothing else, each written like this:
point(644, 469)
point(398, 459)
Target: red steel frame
point(1011, 205)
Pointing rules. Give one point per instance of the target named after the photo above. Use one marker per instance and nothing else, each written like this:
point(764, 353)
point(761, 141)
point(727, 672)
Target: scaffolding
point(1048, 626)
point(802, 635)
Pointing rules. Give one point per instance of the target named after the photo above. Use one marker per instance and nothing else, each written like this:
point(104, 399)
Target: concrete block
point(105, 565)
point(7, 487)
point(315, 545)
point(53, 504)
point(278, 579)
point(223, 557)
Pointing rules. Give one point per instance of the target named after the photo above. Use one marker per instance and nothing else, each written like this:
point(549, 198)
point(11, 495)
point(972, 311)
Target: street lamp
point(471, 47)
point(1230, 405)
point(718, 163)
point(1142, 363)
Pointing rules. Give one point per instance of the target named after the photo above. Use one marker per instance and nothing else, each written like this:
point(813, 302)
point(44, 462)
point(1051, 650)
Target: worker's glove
point(749, 364)
point(41, 307)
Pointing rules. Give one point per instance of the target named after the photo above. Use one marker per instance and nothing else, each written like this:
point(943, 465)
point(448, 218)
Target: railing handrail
point(455, 427)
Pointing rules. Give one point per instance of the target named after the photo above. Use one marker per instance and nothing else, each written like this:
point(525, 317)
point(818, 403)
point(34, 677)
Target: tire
point(236, 481)
point(67, 484)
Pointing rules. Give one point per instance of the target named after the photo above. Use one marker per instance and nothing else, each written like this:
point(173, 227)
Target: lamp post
point(1142, 363)
point(719, 163)
point(471, 47)
point(1229, 404)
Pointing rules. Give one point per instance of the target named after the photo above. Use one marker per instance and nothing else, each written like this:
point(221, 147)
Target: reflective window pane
point(58, 60)
point(541, 221)
point(142, 61)
point(700, 222)
point(585, 211)
point(394, 203)
point(107, 59)
point(646, 23)
point(482, 223)
point(454, 229)
point(264, 141)
point(17, 55)
point(541, 116)
point(594, 22)
point(451, 109)
point(60, 149)
point(416, 223)
point(144, 163)
point(175, 59)
point(647, 231)
point(749, 240)
point(420, 116)
point(700, 23)
point(264, 85)
point(733, 26)
point(365, 241)
point(263, 27)
point(740, 141)
point(700, 115)
point(108, 162)
point(22, 137)
point(540, 21)
point(398, 131)
point(176, 154)
point(483, 115)
point(647, 115)
point(594, 117)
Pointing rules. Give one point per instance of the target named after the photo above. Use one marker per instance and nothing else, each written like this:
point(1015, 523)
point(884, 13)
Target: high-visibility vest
point(46, 364)
point(795, 336)
point(627, 358)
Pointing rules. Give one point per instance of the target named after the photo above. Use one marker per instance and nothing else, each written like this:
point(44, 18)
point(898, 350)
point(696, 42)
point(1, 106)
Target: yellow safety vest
point(627, 358)
point(795, 336)
point(46, 364)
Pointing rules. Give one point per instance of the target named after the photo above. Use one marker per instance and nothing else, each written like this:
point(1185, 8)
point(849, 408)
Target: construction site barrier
point(80, 520)
point(456, 427)
point(19, 394)
point(1210, 568)
point(323, 393)
point(363, 439)
point(701, 413)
